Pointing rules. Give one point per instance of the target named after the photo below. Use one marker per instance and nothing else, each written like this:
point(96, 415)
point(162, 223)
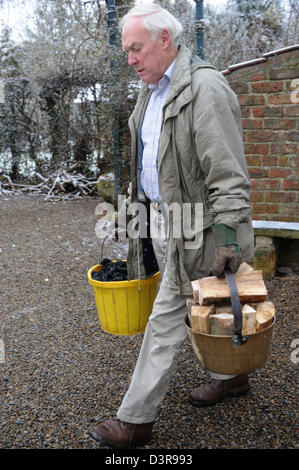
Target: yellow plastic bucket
point(122, 308)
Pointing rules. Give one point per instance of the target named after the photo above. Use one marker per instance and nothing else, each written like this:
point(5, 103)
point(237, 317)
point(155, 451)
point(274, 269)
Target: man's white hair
point(155, 18)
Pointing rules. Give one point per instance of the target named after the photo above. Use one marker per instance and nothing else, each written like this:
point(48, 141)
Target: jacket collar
point(181, 74)
point(185, 65)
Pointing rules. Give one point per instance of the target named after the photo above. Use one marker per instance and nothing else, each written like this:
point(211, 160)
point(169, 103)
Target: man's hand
point(225, 257)
point(227, 252)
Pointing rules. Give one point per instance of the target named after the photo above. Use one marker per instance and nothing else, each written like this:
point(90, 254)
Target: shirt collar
point(167, 74)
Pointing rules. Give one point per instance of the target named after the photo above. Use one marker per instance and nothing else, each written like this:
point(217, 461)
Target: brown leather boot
point(216, 390)
point(120, 434)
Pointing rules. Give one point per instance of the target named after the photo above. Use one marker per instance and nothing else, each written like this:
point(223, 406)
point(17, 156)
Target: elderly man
point(186, 149)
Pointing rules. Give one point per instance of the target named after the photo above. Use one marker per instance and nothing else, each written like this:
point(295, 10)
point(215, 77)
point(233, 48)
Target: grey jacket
point(200, 160)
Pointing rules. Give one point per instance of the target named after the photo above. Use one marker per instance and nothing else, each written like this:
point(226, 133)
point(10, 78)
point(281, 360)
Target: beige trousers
point(163, 338)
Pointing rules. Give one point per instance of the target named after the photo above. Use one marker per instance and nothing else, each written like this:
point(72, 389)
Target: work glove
point(227, 252)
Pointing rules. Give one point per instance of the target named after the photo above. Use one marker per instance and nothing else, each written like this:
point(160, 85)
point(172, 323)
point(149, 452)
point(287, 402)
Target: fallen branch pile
point(64, 183)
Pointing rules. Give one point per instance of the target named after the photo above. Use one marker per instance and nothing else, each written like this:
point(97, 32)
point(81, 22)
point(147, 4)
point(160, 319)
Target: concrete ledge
point(264, 58)
point(276, 244)
point(276, 229)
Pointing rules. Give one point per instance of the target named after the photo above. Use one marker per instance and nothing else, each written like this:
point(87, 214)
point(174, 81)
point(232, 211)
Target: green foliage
point(70, 91)
point(10, 54)
point(244, 30)
point(269, 12)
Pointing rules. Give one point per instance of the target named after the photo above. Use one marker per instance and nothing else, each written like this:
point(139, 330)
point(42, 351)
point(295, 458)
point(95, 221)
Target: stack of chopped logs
point(210, 309)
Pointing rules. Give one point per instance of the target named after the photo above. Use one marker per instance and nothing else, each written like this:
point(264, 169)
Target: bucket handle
point(239, 339)
point(102, 250)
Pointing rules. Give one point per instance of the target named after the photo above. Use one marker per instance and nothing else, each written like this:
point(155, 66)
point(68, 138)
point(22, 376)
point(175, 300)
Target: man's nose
point(132, 60)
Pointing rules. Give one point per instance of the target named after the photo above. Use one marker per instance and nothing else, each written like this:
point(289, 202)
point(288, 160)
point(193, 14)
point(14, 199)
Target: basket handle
point(239, 339)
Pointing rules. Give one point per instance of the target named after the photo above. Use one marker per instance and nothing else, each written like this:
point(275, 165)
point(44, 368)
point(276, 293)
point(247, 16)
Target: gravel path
point(62, 373)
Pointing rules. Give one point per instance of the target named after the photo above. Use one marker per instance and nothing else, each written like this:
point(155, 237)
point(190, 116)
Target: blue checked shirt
point(150, 135)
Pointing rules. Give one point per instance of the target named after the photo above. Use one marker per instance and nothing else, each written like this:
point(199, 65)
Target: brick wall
point(268, 92)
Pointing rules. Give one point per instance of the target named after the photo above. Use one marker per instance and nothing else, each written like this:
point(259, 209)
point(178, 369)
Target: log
point(224, 309)
point(200, 318)
point(244, 268)
point(222, 324)
point(189, 304)
point(195, 288)
point(248, 320)
point(250, 286)
point(265, 313)
point(54, 185)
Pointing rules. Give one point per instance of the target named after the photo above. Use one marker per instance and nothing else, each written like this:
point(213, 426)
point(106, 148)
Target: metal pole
point(115, 125)
point(111, 21)
point(199, 28)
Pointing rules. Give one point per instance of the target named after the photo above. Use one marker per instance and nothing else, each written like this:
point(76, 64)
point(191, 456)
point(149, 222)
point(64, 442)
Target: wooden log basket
point(232, 339)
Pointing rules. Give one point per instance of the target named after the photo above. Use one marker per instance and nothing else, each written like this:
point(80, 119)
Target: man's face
point(147, 56)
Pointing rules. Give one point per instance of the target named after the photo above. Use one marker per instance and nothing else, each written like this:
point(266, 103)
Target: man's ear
point(165, 38)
